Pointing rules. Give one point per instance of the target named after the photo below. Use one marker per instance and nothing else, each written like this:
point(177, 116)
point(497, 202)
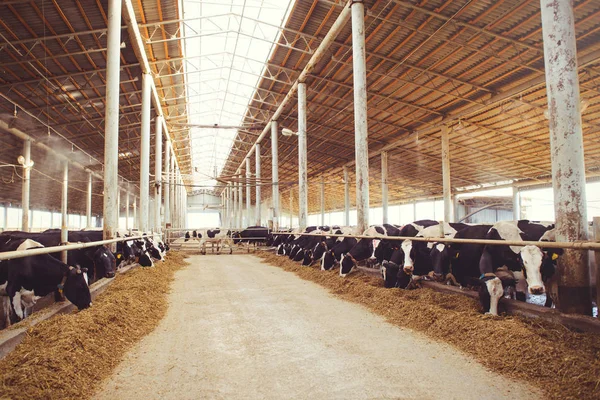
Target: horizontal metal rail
point(554, 245)
point(11, 255)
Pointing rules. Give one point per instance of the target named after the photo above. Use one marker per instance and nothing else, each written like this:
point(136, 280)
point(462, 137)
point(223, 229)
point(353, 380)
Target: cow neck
point(352, 258)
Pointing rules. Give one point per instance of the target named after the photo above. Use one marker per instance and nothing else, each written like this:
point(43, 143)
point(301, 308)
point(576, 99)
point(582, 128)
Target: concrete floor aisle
point(240, 329)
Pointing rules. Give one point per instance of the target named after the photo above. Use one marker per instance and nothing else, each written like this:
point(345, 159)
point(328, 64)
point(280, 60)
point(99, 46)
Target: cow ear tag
point(457, 254)
point(118, 256)
point(554, 257)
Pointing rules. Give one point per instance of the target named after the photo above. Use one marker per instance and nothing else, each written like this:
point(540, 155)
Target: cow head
point(441, 256)
point(145, 260)
point(409, 256)
point(76, 287)
point(281, 250)
point(237, 237)
point(384, 251)
point(531, 258)
point(347, 265)
point(328, 260)
point(318, 251)
point(152, 250)
point(372, 260)
point(307, 258)
point(299, 256)
point(105, 263)
point(389, 273)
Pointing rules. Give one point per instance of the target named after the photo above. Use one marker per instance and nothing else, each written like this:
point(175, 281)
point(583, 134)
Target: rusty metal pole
point(516, 203)
point(302, 158)
point(361, 145)
point(64, 225)
point(566, 146)
point(346, 196)
point(275, 174)
point(258, 183)
point(25, 186)
point(384, 186)
point(447, 189)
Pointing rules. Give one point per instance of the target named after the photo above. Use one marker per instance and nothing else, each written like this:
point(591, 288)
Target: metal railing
point(10, 255)
point(555, 245)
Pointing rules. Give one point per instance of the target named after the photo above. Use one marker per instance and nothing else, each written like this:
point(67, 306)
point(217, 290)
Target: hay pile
point(564, 364)
point(67, 356)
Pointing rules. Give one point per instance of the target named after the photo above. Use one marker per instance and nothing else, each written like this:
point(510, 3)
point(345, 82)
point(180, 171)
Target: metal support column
point(145, 152)
point(248, 193)
point(158, 139)
point(88, 202)
point(346, 196)
point(228, 205)
point(516, 199)
point(135, 216)
point(258, 210)
point(64, 225)
point(566, 146)
point(275, 174)
point(322, 201)
point(384, 186)
point(118, 208)
point(447, 190)
point(234, 222)
point(172, 190)
point(111, 122)
point(240, 201)
point(302, 158)
point(166, 185)
point(291, 208)
point(360, 114)
point(25, 187)
point(127, 209)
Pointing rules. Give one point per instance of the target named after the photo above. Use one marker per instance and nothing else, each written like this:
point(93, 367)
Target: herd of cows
point(24, 280)
point(494, 270)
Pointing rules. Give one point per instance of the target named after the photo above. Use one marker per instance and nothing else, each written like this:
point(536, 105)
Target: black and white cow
point(251, 235)
point(97, 260)
point(333, 257)
point(220, 237)
point(458, 263)
point(363, 250)
point(528, 259)
point(24, 280)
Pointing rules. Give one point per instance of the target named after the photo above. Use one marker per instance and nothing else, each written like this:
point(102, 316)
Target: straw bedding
point(67, 356)
point(563, 363)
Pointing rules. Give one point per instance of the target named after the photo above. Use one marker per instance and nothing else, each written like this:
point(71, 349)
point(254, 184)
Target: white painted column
point(240, 187)
point(158, 139)
point(291, 207)
point(249, 218)
point(516, 198)
point(111, 124)
point(172, 191)
point(118, 207)
point(566, 152)
point(360, 115)
point(145, 152)
point(64, 225)
point(234, 219)
point(322, 201)
point(384, 186)
point(258, 183)
point(136, 223)
point(228, 200)
point(446, 187)
point(167, 184)
point(127, 226)
point(88, 202)
point(275, 174)
point(346, 196)
point(302, 158)
point(25, 186)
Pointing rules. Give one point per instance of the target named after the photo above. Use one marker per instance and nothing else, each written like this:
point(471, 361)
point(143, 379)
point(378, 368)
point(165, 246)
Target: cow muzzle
point(371, 261)
point(110, 274)
point(408, 269)
point(536, 290)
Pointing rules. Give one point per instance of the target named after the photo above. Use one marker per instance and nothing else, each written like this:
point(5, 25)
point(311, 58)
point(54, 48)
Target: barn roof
point(474, 65)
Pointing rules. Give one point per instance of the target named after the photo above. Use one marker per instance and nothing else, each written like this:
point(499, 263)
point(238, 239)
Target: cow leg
point(494, 288)
point(15, 300)
point(7, 311)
